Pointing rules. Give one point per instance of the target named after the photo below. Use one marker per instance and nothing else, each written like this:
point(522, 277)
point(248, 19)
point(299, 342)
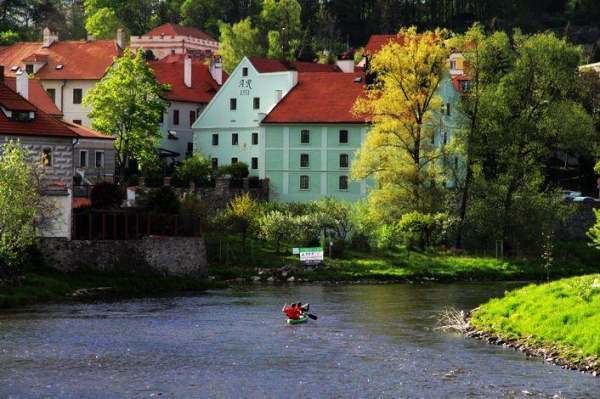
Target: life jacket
point(292, 312)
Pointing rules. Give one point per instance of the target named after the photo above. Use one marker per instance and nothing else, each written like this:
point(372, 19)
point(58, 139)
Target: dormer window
point(22, 116)
point(29, 69)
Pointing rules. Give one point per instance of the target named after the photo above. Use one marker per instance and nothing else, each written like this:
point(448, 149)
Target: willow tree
point(127, 104)
point(404, 108)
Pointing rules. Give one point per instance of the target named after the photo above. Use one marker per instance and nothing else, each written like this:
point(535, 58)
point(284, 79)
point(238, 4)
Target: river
point(369, 341)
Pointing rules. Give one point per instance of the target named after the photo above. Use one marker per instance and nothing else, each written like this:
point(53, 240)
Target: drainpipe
point(62, 96)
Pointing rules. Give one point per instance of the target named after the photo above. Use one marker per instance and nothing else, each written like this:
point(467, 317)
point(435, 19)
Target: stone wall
point(173, 256)
point(579, 222)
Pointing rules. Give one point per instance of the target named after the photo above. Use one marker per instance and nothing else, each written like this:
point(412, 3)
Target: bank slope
point(559, 321)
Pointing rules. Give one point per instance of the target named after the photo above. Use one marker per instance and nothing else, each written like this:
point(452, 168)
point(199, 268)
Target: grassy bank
point(562, 317)
point(48, 286)
point(572, 258)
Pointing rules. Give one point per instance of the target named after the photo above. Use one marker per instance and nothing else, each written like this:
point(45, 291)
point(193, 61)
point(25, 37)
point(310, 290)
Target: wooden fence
point(131, 225)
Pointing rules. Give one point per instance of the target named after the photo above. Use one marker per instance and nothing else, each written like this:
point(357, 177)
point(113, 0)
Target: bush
point(417, 229)
point(241, 216)
point(161, 200)
point(275, 227)
point(389, 236)
point(194, 207)
point(106, 195)
point(237, 170)
point(195, 169)
point(360, 242)
point(338, 248)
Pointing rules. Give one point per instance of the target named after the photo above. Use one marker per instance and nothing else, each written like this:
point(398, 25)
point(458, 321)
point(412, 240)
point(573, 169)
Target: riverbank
point(571, 259)
point(52, 286)
point(557, 321)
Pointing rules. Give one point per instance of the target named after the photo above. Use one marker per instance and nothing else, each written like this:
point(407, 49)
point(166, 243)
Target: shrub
point(237, 170)
point(106, 195)
point(242, 215)
point(192, 206)
point(336, 217)
point(275, 227)
point(360, 242)
point(417, 229)
point(338, 248)
point(195, 169)
point(389, 236)
point(161, 200)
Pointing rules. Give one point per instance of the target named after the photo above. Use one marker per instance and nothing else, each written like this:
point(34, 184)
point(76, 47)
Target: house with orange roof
point(172, 39)
point(67, 70)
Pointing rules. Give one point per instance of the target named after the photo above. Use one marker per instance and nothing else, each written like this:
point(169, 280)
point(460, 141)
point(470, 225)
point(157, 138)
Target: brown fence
point(131, 225)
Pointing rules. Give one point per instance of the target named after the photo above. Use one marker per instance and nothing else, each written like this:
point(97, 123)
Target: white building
point(171, 39)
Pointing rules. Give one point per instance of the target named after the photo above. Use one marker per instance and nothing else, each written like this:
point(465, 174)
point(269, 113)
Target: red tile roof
point(170, 70)
point(37, 96)
point(86, 60)
point(170, 29)
point(42, 125)
point(87, 133)
point(377, 42)
point(457, 79)
point(267, 65)
point(320, 97)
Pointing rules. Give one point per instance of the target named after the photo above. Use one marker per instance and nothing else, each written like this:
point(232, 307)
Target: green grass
point(564, 314)
point(572, 258)
point(47, 286)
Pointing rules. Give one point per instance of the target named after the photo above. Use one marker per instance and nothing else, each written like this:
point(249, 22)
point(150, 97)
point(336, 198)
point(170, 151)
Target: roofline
point(75, 135)
point(318, 123)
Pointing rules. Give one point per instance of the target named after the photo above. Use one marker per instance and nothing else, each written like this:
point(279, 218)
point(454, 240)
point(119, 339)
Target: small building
point(67, 70)
point(94, 157)
point(170, 39)
point(193, 84)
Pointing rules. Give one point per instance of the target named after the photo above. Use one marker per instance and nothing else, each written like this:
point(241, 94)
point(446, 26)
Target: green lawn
point(563, 313)
point(572, 258)
point(45, 286)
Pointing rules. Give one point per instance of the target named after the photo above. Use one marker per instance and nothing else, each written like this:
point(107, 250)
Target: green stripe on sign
point(317, 249)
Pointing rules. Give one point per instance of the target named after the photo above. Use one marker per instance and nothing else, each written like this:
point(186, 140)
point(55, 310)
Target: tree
point(404, 109)
point(241, 215)
point(203, 14)
point(22, 206)
point(194, 169)
point(103, 23)
point(8, 37)
point(336, 217)
point(136, 16)
point(275, 227)
point(239, 40)
point(127, 105)
point(280, 20)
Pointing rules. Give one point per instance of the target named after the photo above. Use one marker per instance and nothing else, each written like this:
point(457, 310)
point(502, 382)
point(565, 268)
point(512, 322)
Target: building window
point(254, 163)
point(305, 136)
point(256, 103)
point(452, 64)
point(234, 139)
point(192, 117)
point(343, 136)
point(234, 160)
point(190, 149)
point(47, 157)
point(304, 160)
point(29, 69)
point(304, 182)
point(254, 138)
point(244, 71)
point(448, 109)
point(83, 159)
point(343, 183)
point(215, 139)
point(214, 163)
point(343, 160)
point(52, 94)
point(99, 159)
point(232, 104)
point(77, 96)
point(176, 117)
point(77, 121)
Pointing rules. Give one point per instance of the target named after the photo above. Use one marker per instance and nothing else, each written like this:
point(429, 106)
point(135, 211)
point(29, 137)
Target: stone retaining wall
point(173, 256)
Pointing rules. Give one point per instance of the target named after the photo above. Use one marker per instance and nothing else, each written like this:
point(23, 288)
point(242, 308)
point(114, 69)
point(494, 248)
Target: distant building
point(67, 70)
point(193, 84)
point(171, 39)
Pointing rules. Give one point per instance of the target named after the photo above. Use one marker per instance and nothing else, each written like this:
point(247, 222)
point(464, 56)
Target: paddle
point(312, 316)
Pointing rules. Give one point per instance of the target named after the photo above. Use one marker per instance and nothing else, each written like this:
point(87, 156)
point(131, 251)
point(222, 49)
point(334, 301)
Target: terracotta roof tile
point(377, 42)
point(170, 29)
point(86, 60)
point(268, 65)
point(37, 96)
point(170, 70)
point(86, 133)
point(42, 125)
point(320, 97)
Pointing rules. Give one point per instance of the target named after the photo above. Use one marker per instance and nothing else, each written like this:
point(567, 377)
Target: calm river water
point(369, 341)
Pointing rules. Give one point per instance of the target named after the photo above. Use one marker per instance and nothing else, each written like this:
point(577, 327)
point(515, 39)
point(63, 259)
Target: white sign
point(311, 255)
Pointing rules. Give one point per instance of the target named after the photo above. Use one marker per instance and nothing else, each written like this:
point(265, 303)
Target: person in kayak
point(295, 310)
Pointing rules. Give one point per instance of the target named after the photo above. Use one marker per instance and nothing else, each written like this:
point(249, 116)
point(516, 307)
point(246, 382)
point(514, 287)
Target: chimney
point(187, 71)
point(120, 38)
point(22, 84)
point(346, 66)
point(49, 38)
point(216, 70)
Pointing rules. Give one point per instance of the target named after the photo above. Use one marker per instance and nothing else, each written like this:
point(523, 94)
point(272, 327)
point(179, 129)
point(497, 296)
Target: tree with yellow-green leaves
point(405, 112)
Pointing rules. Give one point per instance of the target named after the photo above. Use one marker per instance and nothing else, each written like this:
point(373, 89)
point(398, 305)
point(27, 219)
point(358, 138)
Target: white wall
point(60, 223)
point(64, 98)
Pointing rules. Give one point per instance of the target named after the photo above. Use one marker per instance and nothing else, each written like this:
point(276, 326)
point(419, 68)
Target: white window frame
point(87, 158)
point(96, 159)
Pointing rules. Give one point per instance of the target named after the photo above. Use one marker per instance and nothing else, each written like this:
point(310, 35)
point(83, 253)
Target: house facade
point(172, 39)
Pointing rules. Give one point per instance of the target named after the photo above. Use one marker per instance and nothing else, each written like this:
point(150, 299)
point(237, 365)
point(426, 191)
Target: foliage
point(161, 200)
point(594, 231)
point(194, 169)
point(389, 236)
point(404, 107)
point(204, 14)
point(237, 41)
point(241, 216)
point(237, 170)
point(417, 229)
point(336, 217)
point(103, 23)
point(561, 314)
point(136, 16)
point(127, 105)
point(275, 227)
point(8, 37)
point(193, 206)
point(21, 204)
point(280, 19)
point(106, 195)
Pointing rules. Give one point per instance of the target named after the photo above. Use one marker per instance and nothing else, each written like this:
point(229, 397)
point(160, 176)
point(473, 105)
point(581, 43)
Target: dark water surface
point(369, 341)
